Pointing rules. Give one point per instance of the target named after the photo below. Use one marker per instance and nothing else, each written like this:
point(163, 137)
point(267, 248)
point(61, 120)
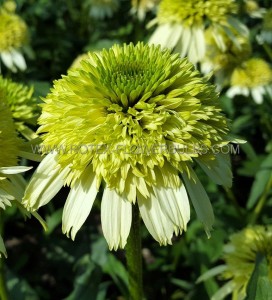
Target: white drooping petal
point(257, 95)
point(14, 170)
point(219, 169)
point(156, 220)
point(175, 204)
point(197, 47)
point(116, 217)
point(18, 60)
point(79, 203)
point(200, 200)
point(185, 41)
point(174, 35)
point(164, 34)
point(7, 60)
point(45, 183)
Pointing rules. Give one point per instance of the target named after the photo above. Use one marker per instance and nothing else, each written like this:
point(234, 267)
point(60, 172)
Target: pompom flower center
point(13, 31)
point(137, 113)
point(252, 73)
point(9, 143)
point(195, 12)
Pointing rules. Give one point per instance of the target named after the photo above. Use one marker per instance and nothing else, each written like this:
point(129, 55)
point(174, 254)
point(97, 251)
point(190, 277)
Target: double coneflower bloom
point(133, 120)
point(182, 25)
point(13, 36)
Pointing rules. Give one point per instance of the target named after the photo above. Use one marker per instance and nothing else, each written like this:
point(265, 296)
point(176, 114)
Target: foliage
point(48, 265)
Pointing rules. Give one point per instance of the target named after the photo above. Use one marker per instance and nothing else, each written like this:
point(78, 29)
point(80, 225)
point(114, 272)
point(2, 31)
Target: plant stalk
point(134, 257)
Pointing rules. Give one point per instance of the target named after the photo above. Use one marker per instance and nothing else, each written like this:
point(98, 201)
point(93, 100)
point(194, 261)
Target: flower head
point(19, 98)
point(223, 60)
point(240, 257)
point(13, 36)
point(12, 183)
point(181, 24)
point(134, 118)
point(254, 77)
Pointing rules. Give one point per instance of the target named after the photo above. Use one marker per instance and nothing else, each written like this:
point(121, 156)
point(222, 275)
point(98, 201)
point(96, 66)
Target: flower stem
point(134, 257)
point(3, 287)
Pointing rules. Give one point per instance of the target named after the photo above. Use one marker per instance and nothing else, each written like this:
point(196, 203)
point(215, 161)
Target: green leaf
point(2, 248)
point(262, 178)
point(259, 286)
point(19, 288)
point(118, 273)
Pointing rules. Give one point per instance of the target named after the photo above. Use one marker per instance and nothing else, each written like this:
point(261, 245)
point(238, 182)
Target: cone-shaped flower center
point(135, 113)
point(13, 31)
point(9, 143)
point(252, 73)
point(195, 12)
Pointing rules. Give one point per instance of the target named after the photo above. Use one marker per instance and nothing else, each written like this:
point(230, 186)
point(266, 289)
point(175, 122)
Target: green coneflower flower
point(240, 256)
point(13, 35)
point(223, 60)
point(253, 77)
point(20, 100)
point(141, 7)
point(101, 9)
point(134, 118)
point(12, 184)
point(181, 25)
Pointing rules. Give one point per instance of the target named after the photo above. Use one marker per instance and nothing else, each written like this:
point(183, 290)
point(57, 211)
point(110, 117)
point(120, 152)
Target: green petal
point(200, 200)
point(79, 203)
point(219, 170)
point(116, 217)
point(2, 248)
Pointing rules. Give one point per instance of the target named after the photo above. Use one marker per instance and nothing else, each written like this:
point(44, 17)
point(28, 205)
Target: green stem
point(134, 257)
point(260, 205)
point(3, 287)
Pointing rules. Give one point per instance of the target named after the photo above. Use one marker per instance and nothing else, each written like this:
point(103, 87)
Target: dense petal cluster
point(254, 77)
point(9, 142)
point(13, 35)
point(223, 55)
point(22, 104)
point(133, 117)
point(181, 25)
point(195, 12)
point(12, 183)
point(240, 257)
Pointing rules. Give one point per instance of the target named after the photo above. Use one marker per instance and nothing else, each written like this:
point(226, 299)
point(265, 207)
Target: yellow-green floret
point(241, 252)
point(19, 98)
point(9, 142)
point(13, 31)
point(195, 12)
point(252, 73)
point(131, 111)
